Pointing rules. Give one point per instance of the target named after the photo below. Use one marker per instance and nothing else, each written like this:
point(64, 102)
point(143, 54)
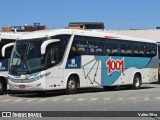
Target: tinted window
point(62, 44)
point(138, 49)
point(159, 50)
point(56, 50)
point(53, 54)
point(8, 50)
point(150, 50)
point(111, 48)
point(95, 46)
point(79, 46)
point(125, 48)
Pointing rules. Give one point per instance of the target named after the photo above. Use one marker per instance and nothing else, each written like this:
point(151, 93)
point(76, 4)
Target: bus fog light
point(38, 84)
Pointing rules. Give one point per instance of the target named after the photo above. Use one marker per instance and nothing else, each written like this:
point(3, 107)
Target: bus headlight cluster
point(9, 78)
point(40, 76)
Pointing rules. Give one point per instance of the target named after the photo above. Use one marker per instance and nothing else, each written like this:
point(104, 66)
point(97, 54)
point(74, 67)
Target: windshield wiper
point(25, 57)
point(15, 66)
point(28, 66)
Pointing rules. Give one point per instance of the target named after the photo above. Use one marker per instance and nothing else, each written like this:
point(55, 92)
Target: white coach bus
point(7, 40)
point(70, 59)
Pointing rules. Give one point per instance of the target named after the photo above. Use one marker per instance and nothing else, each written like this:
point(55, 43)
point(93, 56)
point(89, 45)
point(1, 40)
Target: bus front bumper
point(33, 86)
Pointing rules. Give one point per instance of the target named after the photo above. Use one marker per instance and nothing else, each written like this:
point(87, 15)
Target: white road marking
point(93, 99)
point(42, 100)
point(54, 100)
point(146, 98)
point(132, 98)
point(107, 99)
point(30, 100)
point(80, 99)
point(158, 98)
point(7, 100)
point(68, 99)
point(120, 98)
point(77, 99)
point(18, 100)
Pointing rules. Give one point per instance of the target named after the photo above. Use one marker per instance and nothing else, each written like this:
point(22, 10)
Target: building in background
point(86, 25)
point(25, 28)
point(153, 34)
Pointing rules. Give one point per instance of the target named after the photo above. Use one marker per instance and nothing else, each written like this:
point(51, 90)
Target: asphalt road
point(96, 99)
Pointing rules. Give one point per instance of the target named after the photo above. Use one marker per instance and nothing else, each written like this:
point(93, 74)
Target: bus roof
point(91, 33)
point(10, 35)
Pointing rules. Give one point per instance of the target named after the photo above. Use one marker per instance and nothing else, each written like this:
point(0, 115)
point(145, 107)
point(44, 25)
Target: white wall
point(153, 34)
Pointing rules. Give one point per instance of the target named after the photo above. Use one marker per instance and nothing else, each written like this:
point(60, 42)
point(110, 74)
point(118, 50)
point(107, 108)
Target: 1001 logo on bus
point(115, 65)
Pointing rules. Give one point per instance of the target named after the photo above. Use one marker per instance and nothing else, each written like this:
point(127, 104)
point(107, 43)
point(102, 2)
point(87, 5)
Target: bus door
point(52, 64)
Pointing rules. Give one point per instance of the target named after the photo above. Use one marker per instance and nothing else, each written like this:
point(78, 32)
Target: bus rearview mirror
point(46, 43)
point(5, 47)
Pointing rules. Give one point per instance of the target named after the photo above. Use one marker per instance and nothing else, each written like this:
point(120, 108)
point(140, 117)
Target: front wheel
point(136, 82)
point(2, 87)
point(71, 85)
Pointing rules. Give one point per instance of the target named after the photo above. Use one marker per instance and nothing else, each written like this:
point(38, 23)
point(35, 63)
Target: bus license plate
point(22, 86)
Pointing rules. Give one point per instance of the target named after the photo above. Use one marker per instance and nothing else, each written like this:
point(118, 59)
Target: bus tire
point(2, 86)
point(72, 85)
point(158, 79)
point(136, 82)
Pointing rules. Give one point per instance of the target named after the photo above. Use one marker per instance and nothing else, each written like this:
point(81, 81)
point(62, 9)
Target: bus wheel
point(71, 85)
point(136, 82)
point(1, 87)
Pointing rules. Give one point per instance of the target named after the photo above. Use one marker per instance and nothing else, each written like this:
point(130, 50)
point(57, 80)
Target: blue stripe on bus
point(74, 63)
point(35, 74)
point(109, 79)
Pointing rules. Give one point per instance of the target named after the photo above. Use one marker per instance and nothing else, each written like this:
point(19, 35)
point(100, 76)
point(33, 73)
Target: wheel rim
point(1, 86)
point(71, 85)
point(137, 82)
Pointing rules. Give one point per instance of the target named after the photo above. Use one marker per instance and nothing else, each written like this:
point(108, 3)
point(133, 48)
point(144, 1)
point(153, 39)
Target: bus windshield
point(26, 56)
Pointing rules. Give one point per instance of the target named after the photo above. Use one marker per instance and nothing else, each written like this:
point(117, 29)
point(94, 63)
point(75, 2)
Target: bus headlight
point(40, 76)
point(9, 78)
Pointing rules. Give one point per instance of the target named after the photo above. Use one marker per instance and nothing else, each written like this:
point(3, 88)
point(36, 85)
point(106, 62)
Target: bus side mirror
point(46, 43)
point(4, 49)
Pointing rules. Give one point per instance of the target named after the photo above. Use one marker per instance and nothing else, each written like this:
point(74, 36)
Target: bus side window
point(52, 54)
point(79, 46)
point(8, 52)
point(138, 49)
point(111, 47)
point(150, 50)
point(153, 50)
point(125, 48)
point(64, 39)
point(128, 52)
point(135, 52)
point(95, 46)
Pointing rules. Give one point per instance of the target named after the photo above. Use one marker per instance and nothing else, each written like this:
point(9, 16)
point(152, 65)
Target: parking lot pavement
point(94, 99)
point(148, 92)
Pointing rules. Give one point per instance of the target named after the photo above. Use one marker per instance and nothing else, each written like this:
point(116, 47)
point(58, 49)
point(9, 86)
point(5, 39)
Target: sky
point(116, 14)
